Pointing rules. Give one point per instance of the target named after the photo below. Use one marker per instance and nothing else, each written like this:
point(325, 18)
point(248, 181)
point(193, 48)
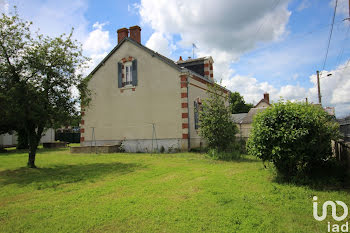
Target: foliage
point(295, 137)
point(37, 77)
point(216, 125)
point(161, 193)
point(237, 103)
point(22, 140)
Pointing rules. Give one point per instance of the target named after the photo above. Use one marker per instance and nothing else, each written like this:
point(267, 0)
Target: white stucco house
point(145, 100)
point(7, 140)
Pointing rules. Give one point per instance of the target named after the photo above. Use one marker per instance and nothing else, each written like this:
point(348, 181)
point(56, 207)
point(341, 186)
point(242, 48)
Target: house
point(344, 128)
point(145, 100)
point(10, 140)
point(244, 120)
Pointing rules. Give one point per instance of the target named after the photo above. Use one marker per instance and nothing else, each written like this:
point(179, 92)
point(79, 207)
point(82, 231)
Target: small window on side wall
point(127, 73)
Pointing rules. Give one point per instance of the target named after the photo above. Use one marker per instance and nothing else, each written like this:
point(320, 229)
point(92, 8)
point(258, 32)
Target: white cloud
point(56, 17)
point(94, 60)
point(4, 6)
point(98, 39)
point(334, 89)
point(303, 5)
point(96, 45)
point(342, 7)
point(250, 88)
point(160, 43)
point(291, 92)
point(226, 25)
point(224, 30)
point(133, 8)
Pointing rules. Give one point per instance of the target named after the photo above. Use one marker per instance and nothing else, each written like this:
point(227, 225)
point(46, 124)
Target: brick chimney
point(135, 33)
point(267, 97)
point(122, 33)
point(208, 68)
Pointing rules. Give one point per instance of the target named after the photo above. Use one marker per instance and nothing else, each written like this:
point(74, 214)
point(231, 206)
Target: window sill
point(129, 86)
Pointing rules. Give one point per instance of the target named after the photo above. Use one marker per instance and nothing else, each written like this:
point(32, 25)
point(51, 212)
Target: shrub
point(216, 125)
point(295, 137)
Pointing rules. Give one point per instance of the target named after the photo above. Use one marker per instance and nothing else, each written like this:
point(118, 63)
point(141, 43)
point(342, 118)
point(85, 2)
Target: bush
point(216, 125)
point(295, 137)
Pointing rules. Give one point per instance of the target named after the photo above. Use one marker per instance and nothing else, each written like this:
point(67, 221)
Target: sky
point(272, 46)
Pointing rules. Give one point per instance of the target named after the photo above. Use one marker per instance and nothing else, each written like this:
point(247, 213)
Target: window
point(128, 73)
point(197, 108)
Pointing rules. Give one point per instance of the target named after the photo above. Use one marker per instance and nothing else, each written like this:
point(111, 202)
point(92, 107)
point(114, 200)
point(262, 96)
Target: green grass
point(151, 193)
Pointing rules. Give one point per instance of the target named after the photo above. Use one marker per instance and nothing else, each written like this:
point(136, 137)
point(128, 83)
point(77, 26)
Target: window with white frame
point(128, 73)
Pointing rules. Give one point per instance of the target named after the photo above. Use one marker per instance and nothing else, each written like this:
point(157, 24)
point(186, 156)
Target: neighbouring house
point(9, 140)
point(244, 120)
point(145, 100)
point(344, 128)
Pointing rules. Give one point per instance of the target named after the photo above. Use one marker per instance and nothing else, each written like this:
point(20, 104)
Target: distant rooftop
point(238, 117)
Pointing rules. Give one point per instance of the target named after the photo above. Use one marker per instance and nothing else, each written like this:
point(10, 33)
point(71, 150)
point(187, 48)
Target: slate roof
point(248, 119)
point(238, 117)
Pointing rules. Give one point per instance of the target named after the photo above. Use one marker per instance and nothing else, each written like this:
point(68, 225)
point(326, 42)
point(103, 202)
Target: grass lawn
point(151, 193)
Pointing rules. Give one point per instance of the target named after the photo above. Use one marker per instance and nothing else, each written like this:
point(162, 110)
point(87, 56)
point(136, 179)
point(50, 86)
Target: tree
point(237, 103)
point(216, 125)
point(39, 75)
point(295, 137)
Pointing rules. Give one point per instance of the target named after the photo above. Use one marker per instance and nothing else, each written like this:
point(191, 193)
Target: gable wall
point(262, 104)
point(119, 114)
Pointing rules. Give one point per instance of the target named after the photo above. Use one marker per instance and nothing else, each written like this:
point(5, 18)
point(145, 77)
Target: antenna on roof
point(193, 47)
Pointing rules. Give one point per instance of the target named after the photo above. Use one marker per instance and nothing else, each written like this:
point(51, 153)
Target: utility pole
point(318, 87)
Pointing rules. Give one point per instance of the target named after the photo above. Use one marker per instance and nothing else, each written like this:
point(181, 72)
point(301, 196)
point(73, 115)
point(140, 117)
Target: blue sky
point(272, 46)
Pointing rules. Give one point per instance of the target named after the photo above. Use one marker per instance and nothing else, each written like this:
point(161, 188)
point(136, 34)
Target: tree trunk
point(33, 144)
point(31, 159)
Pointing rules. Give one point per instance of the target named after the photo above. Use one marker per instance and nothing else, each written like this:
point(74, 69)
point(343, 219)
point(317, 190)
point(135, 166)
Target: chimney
point(267, 97)
point(122, 33)
point(208, 68)
point(135, 33)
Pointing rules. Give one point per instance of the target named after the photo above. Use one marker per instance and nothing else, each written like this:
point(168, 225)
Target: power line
point(294, 38)
point(346, 66)
point(330, 35)
point(262, 24)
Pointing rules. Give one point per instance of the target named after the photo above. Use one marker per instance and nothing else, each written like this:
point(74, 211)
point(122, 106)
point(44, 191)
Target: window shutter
point(120, 71)
point(134, 72)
